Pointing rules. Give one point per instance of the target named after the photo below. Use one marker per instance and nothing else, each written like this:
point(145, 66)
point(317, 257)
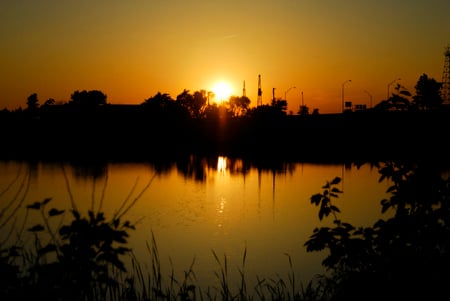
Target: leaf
point(91, 215)
point(379, 223)
point(54, 212)
point(35, 205)
point(336, 190)
point(337, 222)
point(336, 180)
point(122, 250)
point(350, 227)
point(127, 224)
point(36, 228)
point(76, 214)
point(385, 204)
point(405, 92)
point(321, 213)
point(315, 199)
point(100, 217)
point(391, 188)
point(47, 249)
point(334, 208)
point(46, 201)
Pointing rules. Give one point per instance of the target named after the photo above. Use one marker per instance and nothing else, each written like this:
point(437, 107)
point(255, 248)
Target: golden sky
point(130, 50)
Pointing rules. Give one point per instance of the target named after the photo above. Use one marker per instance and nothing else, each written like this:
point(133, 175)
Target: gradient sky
point(130, 50)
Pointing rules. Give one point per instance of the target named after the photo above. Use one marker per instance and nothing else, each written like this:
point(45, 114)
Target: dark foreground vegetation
point(77, 256)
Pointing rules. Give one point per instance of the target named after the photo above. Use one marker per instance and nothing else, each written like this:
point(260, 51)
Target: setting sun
point(222, 91)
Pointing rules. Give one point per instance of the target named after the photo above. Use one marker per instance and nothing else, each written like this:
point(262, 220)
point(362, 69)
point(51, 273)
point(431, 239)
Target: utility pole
point(343, 84)
point(259, 99)
point(370, 96)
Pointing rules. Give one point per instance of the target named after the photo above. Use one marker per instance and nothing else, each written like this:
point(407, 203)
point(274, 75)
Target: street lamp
point(370, 95)
point(389, 85)
point(287, 92)
point(343, 84)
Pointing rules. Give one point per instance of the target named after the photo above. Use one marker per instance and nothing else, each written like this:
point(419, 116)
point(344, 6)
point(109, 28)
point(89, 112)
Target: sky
point(305, 51)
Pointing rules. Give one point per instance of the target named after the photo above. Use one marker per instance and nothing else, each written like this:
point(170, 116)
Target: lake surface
point(203, 205)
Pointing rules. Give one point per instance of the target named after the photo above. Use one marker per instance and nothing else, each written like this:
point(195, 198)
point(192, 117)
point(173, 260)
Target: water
point(201, 206)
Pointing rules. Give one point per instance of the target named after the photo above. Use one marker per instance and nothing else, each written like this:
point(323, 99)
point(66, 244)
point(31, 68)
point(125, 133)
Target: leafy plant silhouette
point(401, 257)
point(80, 258)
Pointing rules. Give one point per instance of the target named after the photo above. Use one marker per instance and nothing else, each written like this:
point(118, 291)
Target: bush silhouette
point(402, 257)
point(79, 262)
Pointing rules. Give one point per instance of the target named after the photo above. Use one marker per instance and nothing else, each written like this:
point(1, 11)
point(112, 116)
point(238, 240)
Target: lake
point(200, 206)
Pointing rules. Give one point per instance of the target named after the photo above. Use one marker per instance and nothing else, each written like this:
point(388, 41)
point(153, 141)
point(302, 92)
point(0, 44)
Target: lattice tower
point(446, 77)
point(259, 100)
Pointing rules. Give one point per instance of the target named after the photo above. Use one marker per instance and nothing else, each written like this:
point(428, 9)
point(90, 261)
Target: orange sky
point(130, 50)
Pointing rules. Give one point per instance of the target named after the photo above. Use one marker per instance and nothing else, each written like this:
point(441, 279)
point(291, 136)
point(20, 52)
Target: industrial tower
point(446, 77)
point(259, 99)
point(243, 90)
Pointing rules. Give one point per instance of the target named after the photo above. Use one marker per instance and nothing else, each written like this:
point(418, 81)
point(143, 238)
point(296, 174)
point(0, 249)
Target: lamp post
point(285, 93)
point(343, 84)
point(389, 85)
point(370, 96)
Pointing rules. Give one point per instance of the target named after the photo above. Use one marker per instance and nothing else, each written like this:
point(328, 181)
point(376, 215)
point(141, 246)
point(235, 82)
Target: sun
point(222, 91)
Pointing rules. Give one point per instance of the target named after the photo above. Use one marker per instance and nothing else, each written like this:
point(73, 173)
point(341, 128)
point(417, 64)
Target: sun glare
point(222, 91)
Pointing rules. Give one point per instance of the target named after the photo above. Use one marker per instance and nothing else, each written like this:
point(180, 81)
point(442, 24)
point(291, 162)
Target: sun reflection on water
point(221, 206)
point(221, 164)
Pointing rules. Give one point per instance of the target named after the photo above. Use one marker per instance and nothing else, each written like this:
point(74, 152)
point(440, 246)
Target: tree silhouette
point(194, 103)
point(88, 99)
point(159, 101)
point(162, 108)
point(200, 100)
point(212, 111)
point(428, 94)
point(304, 110)
point(399, 101)
point(49, 102)
point(32, 102)
point(186, 100)
point(280, 105)
point(239, 105)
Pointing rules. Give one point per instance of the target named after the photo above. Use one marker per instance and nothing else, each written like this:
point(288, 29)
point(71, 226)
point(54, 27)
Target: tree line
point(88, 125)
point(198, 104)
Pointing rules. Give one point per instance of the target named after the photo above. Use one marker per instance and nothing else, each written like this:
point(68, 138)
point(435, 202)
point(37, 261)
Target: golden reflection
point(222, 181)
point(222, 205)
point(221, 164)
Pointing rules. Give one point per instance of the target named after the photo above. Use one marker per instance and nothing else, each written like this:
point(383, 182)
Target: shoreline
point(356, 136)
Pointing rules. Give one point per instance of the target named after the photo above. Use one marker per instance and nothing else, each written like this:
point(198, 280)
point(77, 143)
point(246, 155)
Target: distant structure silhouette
point(446, 77)
point(243, 90)
point(259, 99)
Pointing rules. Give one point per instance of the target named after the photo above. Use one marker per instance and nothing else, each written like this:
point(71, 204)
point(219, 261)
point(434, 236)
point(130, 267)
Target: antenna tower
point(446, 77)
point(259, 100)
point(243, 90)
